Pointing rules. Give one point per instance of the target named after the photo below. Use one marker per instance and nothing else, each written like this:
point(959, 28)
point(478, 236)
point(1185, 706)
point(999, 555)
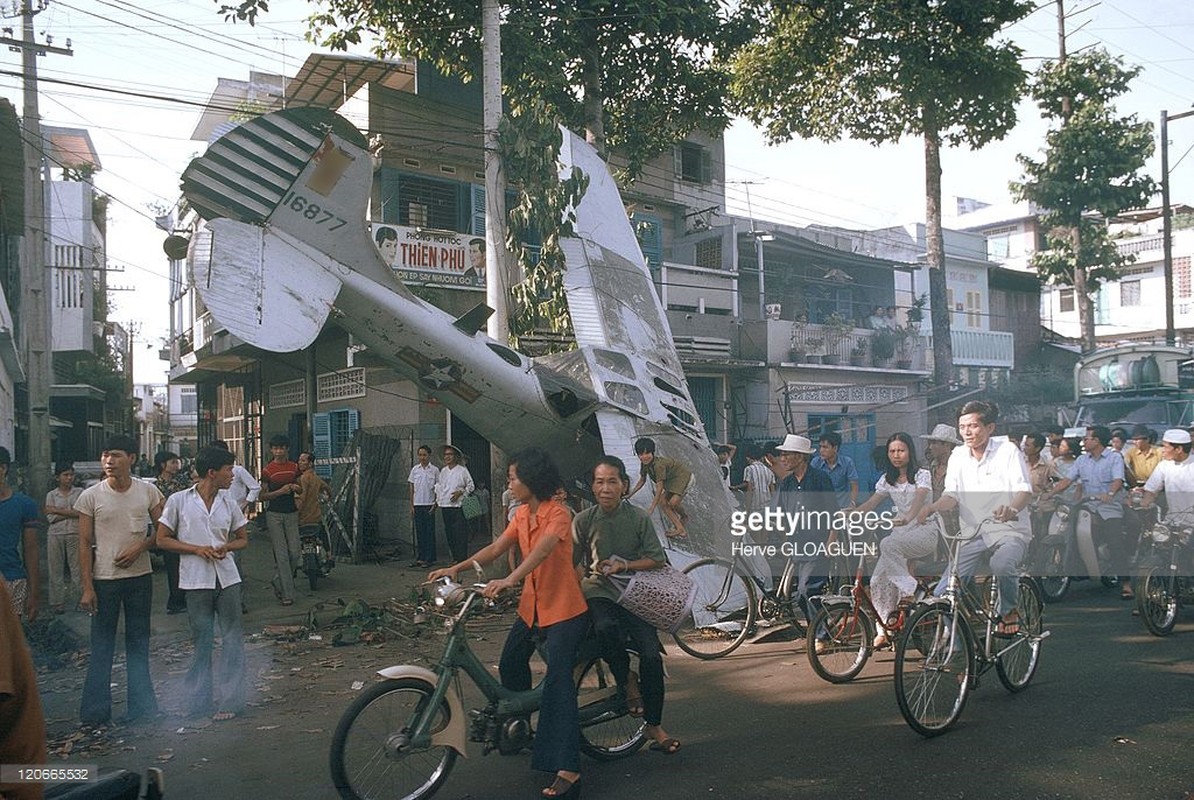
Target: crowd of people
point(565, 564)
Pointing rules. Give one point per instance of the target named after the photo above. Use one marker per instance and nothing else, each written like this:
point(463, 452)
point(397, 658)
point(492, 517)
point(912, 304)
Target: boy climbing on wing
point(672, 480)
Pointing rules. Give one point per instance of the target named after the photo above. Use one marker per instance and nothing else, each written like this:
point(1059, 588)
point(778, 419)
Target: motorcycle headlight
point(448, 593)
point(1062, 513)
point(1159, 534)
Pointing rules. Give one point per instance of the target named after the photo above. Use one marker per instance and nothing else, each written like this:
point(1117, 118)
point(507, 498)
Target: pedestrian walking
point(116, 574)
point(204, 525)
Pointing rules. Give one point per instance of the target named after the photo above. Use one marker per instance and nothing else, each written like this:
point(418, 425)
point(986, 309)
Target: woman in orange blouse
point(552, 607)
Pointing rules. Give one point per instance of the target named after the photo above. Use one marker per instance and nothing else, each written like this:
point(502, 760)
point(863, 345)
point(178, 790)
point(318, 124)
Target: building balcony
point(818, 346)
point(982, 348)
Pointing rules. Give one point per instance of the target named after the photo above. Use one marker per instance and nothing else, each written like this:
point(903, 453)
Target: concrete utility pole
point(35, 277)
point(1167, 225)
point(498, 280)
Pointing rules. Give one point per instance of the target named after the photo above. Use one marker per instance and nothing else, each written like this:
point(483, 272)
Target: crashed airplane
point(287, 246)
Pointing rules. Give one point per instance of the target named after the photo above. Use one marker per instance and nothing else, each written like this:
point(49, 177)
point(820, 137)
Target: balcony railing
point(856, 347)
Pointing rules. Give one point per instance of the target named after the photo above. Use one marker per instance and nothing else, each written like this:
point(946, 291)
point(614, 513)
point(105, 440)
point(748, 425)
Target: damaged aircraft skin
point(287, 246)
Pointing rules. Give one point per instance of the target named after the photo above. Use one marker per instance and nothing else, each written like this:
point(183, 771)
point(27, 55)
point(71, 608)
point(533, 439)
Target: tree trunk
point(1086, 311)
point(943, 351)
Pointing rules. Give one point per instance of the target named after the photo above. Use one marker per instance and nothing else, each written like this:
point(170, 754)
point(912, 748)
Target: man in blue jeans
point(114, 516)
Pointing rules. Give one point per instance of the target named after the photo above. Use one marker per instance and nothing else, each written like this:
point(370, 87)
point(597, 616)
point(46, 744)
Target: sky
point(145, 67)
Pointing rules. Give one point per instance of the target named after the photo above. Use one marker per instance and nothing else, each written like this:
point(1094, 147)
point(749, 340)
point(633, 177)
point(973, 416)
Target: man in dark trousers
point(806, 498)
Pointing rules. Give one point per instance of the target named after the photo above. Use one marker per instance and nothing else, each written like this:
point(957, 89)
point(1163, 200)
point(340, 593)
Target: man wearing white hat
point(1174, 475)
point(807, 495)
point(941, 443)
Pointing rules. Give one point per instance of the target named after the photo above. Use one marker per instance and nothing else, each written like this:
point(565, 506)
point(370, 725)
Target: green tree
point(1091, 170)
point(636, 76)
point(879, 70)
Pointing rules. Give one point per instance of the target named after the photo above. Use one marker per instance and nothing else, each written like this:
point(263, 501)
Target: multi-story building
point(12, 224)
point(735, 334)
point(1126, 310)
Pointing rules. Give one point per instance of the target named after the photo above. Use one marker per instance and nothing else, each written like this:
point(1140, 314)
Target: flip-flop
point(669, 746)
point(223, 716)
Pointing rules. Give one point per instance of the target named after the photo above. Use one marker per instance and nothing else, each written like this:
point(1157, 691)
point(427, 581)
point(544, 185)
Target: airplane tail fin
point(231, 261)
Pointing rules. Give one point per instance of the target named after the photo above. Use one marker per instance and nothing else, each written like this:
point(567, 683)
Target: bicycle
point(845, 628)
point(939, 656)
point(401, 737)
point(731, 605)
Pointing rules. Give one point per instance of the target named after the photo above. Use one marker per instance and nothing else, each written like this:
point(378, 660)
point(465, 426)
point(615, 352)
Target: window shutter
point(321, 434)
point(477, 210)
point(649, 230)
point(678, 161)
point(706, 165)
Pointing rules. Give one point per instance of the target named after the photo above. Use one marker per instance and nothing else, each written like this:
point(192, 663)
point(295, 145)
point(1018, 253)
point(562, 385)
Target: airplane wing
point(621, 328)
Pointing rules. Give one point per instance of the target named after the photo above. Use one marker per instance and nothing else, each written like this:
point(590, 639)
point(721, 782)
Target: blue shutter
point(321, 433)
point(649, 230)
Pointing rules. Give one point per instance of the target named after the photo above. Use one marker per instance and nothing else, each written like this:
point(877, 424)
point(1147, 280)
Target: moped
point(1068, 551)
point(401, 737)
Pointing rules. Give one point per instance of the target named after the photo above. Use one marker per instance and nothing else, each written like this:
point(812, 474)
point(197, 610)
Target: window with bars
point(188, 400)
point(1181, 276)
point(428, 203)
point(1129, 293)
point(340, 385)
point(708, 253)
point(288, 394)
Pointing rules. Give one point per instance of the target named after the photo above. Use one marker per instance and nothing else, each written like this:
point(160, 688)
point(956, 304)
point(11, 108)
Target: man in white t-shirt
point(203, 524)
point(987, 479)
point(1174, 475)
point(115, 572)
point(422, 479)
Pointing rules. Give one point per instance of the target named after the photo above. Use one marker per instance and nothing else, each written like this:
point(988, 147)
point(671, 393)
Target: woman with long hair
point(908, 486)
point(552, 608)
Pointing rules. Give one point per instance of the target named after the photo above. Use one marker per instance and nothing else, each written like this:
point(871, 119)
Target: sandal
point(634, 695)
point(287, 601)
point(223, 716)
point(562, 787)
point(1008, 627)
point(1127, 594)
point(669, 746)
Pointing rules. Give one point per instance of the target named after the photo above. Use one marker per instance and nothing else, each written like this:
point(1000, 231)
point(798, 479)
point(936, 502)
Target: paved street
point(1109, 714)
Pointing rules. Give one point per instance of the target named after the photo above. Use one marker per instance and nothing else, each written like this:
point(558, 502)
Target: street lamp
point(1166, 224)
point(760, 237)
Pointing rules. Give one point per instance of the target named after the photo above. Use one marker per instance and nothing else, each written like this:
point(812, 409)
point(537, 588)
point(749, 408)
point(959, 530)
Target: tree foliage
point(636, 76)
point(1092, 166)
point(879, 70)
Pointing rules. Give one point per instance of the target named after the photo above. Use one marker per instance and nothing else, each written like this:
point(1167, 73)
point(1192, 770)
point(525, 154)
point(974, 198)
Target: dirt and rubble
point(305, 665)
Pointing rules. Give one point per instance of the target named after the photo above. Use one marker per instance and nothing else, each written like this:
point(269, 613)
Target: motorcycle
point(317, 561)
point(1067, 551)
point(1167, 569)
point(401, 737)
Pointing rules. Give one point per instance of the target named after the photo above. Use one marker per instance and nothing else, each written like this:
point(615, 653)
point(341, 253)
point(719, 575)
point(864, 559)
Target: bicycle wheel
point(371, 754)
point(1019, 656)
point(606, 733)
point(723, 612)
point(932, 688)
point(1157, 599)
point(1049, 570)
point(839, 642)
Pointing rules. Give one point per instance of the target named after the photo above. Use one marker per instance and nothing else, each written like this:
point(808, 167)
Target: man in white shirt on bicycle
point(987, 479)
